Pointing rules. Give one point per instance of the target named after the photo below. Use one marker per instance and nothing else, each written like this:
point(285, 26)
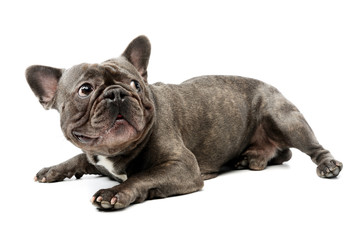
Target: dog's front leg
point(77, 166)
point(173, 177)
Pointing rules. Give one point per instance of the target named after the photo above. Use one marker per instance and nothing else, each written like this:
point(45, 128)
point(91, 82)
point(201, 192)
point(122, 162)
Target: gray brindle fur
point(161, 140)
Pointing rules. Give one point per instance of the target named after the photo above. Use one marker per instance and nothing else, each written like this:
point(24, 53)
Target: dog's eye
point(135, 85)
point(85, 90)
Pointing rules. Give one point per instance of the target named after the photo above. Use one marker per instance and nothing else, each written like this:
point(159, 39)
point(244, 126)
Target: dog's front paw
point(111, 198)
point(53, 174)
point(329, 168)
point(47, 175)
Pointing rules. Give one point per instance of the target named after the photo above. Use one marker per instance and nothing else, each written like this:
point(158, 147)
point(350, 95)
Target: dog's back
point(221, 111)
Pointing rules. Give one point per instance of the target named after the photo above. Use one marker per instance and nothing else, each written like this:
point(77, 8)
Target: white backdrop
point(309, 50)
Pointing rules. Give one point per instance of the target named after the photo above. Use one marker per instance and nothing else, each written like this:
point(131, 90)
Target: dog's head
point(104, 108)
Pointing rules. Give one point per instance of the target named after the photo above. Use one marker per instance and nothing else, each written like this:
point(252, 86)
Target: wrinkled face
point(105, 108)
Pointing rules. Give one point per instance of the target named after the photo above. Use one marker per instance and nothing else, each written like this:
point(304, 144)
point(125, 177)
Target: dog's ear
point(44, 82)
point(138, 54)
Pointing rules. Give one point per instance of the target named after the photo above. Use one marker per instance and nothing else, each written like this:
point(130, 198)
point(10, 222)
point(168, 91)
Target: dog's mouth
point(119, 117)
point(83, 138)
point(87, 139)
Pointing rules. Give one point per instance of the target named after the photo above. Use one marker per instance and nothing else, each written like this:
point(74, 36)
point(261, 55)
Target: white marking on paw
point(106, 163)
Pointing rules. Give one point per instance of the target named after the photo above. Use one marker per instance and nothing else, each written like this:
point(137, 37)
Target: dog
point(159, 140)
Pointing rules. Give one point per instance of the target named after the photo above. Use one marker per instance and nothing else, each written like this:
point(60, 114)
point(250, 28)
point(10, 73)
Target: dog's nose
point(115, 94)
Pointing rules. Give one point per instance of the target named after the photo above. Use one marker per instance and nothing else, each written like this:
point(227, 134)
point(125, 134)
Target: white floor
point(286, 202)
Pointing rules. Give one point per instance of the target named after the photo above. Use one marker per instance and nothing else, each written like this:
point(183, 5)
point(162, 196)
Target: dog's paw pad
point(242, 163)
point(106, 205)
point(109, 199)
point(329, 169)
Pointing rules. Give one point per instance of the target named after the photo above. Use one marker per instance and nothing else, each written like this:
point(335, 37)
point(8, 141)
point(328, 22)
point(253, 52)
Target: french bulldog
point(159, 140)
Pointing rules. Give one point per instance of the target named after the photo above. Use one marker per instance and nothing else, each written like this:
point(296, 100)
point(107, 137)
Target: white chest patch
point(106, 163)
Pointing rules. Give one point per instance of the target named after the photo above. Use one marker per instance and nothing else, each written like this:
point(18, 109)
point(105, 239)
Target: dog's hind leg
point(281, 157)
point(286, 126)
point(260, 151)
